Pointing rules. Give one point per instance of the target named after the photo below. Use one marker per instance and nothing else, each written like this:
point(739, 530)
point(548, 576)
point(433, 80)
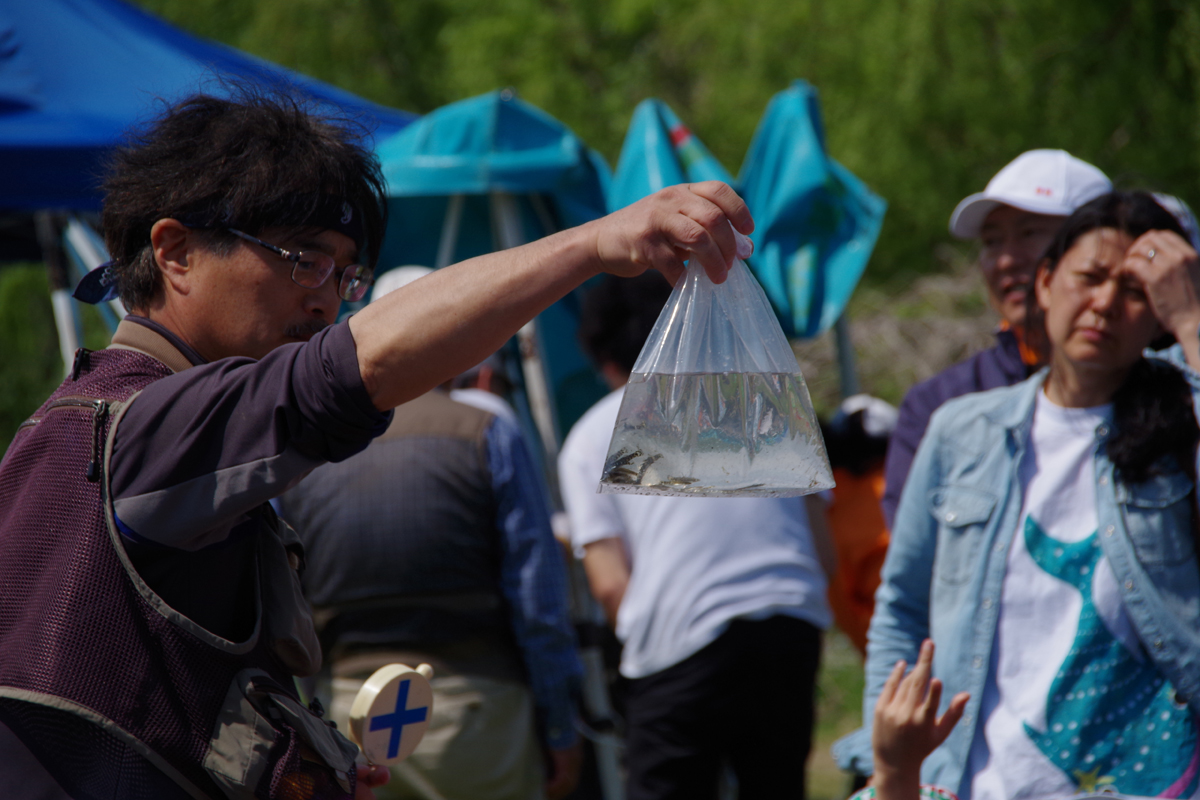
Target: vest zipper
point(99, 415)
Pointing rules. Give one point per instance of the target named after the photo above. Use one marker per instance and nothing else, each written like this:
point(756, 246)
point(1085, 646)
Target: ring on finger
point(1150, 254)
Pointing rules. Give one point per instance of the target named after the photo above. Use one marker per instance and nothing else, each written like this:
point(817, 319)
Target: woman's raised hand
point(1170, 271)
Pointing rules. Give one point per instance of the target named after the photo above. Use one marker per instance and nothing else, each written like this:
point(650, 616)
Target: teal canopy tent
point(486, 174)
point(659, 151)
point(816, 222)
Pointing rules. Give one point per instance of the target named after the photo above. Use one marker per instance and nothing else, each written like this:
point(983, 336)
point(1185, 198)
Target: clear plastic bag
point(716, 405)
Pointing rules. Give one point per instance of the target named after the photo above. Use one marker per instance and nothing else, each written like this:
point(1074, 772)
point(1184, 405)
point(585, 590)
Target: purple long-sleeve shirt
point(997, 366)
point(199, 452)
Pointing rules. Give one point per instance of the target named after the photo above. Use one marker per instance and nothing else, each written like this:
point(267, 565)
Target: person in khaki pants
point(434, 545)
point(481, 741)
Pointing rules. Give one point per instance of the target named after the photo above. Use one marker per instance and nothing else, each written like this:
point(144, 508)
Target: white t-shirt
point(697, 562)
point(1071, 703)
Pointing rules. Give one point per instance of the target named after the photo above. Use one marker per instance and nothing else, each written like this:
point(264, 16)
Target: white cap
point(1183, 213)
point(394, 278)
point(1050, 182)
point(879, 416)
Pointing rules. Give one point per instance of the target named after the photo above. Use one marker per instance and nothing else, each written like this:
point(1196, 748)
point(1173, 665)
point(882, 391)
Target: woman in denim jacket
point(1061, 585)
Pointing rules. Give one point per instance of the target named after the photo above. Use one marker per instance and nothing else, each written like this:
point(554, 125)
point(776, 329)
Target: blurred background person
point(1014, 218)
point(434, 545)
point(856, 440)
point(719, 602)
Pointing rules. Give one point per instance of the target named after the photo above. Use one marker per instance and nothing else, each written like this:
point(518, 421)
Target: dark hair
point(241, 161)
point(618, 315)
point(1152, 410)
point(850, 447)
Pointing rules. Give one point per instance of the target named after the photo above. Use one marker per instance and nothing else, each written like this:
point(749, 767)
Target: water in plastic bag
point(716, 405)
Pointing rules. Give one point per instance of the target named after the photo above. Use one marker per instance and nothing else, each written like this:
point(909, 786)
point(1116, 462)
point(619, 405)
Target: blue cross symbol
point(398, 719)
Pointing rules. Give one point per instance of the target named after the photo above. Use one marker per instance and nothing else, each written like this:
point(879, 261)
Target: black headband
point(318, 210)
point(324, 212)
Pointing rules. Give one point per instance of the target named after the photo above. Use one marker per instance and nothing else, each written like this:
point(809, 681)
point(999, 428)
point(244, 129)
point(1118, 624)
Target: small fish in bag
point(716, 405)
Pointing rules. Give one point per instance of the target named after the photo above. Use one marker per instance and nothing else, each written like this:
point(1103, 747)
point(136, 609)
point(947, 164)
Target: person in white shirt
point(719, 603)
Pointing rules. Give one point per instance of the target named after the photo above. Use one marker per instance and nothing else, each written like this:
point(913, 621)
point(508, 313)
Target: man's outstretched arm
point(445, 323)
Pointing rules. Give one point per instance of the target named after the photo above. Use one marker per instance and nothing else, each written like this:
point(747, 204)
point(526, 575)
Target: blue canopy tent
point(489, 173)
point(75, 75)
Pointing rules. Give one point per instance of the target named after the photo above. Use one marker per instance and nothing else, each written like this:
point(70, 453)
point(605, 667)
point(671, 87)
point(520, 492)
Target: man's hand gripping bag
point(716, 405)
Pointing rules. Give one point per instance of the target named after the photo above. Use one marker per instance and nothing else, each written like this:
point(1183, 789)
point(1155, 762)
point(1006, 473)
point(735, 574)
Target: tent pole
point(847, 369)
point(49, 227)
point(507, 225)
point(450, 226)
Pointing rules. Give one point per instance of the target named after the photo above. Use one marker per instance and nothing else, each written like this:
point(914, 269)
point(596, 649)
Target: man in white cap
point(1014, 219)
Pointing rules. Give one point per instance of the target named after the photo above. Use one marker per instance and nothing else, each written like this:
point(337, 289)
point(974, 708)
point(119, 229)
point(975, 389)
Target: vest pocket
point(961, 513)
point(287, 620)
point(262, 732)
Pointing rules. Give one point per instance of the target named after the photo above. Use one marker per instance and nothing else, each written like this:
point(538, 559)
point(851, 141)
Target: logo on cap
point(1042, 190)
point(347, 213)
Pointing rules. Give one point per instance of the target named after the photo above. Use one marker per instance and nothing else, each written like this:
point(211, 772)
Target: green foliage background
point(30, 364)
point(923, 99)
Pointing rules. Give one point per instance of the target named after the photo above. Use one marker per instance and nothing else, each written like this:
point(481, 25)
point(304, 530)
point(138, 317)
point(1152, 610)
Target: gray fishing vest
point(403, 545)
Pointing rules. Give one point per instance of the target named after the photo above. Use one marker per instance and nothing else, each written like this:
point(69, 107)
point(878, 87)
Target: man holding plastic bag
point(228, 382)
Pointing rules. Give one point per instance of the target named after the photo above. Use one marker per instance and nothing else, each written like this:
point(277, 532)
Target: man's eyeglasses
point(311, 268)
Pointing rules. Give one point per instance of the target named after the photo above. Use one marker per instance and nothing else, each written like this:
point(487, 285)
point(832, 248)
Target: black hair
point(242, 160)
point(850, 447)
point(618, 315)
point(1153, 419)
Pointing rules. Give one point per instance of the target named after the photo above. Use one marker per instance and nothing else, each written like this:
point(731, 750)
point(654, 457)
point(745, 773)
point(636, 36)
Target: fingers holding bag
point(674, 225)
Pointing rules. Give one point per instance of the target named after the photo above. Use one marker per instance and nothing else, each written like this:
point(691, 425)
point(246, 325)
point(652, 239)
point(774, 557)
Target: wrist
point(582, 245)
point(897, 783)
point(1186, 330)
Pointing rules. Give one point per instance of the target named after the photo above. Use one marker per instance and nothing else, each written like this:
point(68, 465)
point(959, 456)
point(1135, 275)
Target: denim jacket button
point(1102, 430)
point(987, 603)
point(977, 662)
point(1129, 585)
point(1103, 480)
point(1109, 530)
point(1158, 644)
point(951, 516)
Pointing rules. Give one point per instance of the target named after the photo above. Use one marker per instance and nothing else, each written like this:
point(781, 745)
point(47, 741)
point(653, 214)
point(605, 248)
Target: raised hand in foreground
point(907, 728)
